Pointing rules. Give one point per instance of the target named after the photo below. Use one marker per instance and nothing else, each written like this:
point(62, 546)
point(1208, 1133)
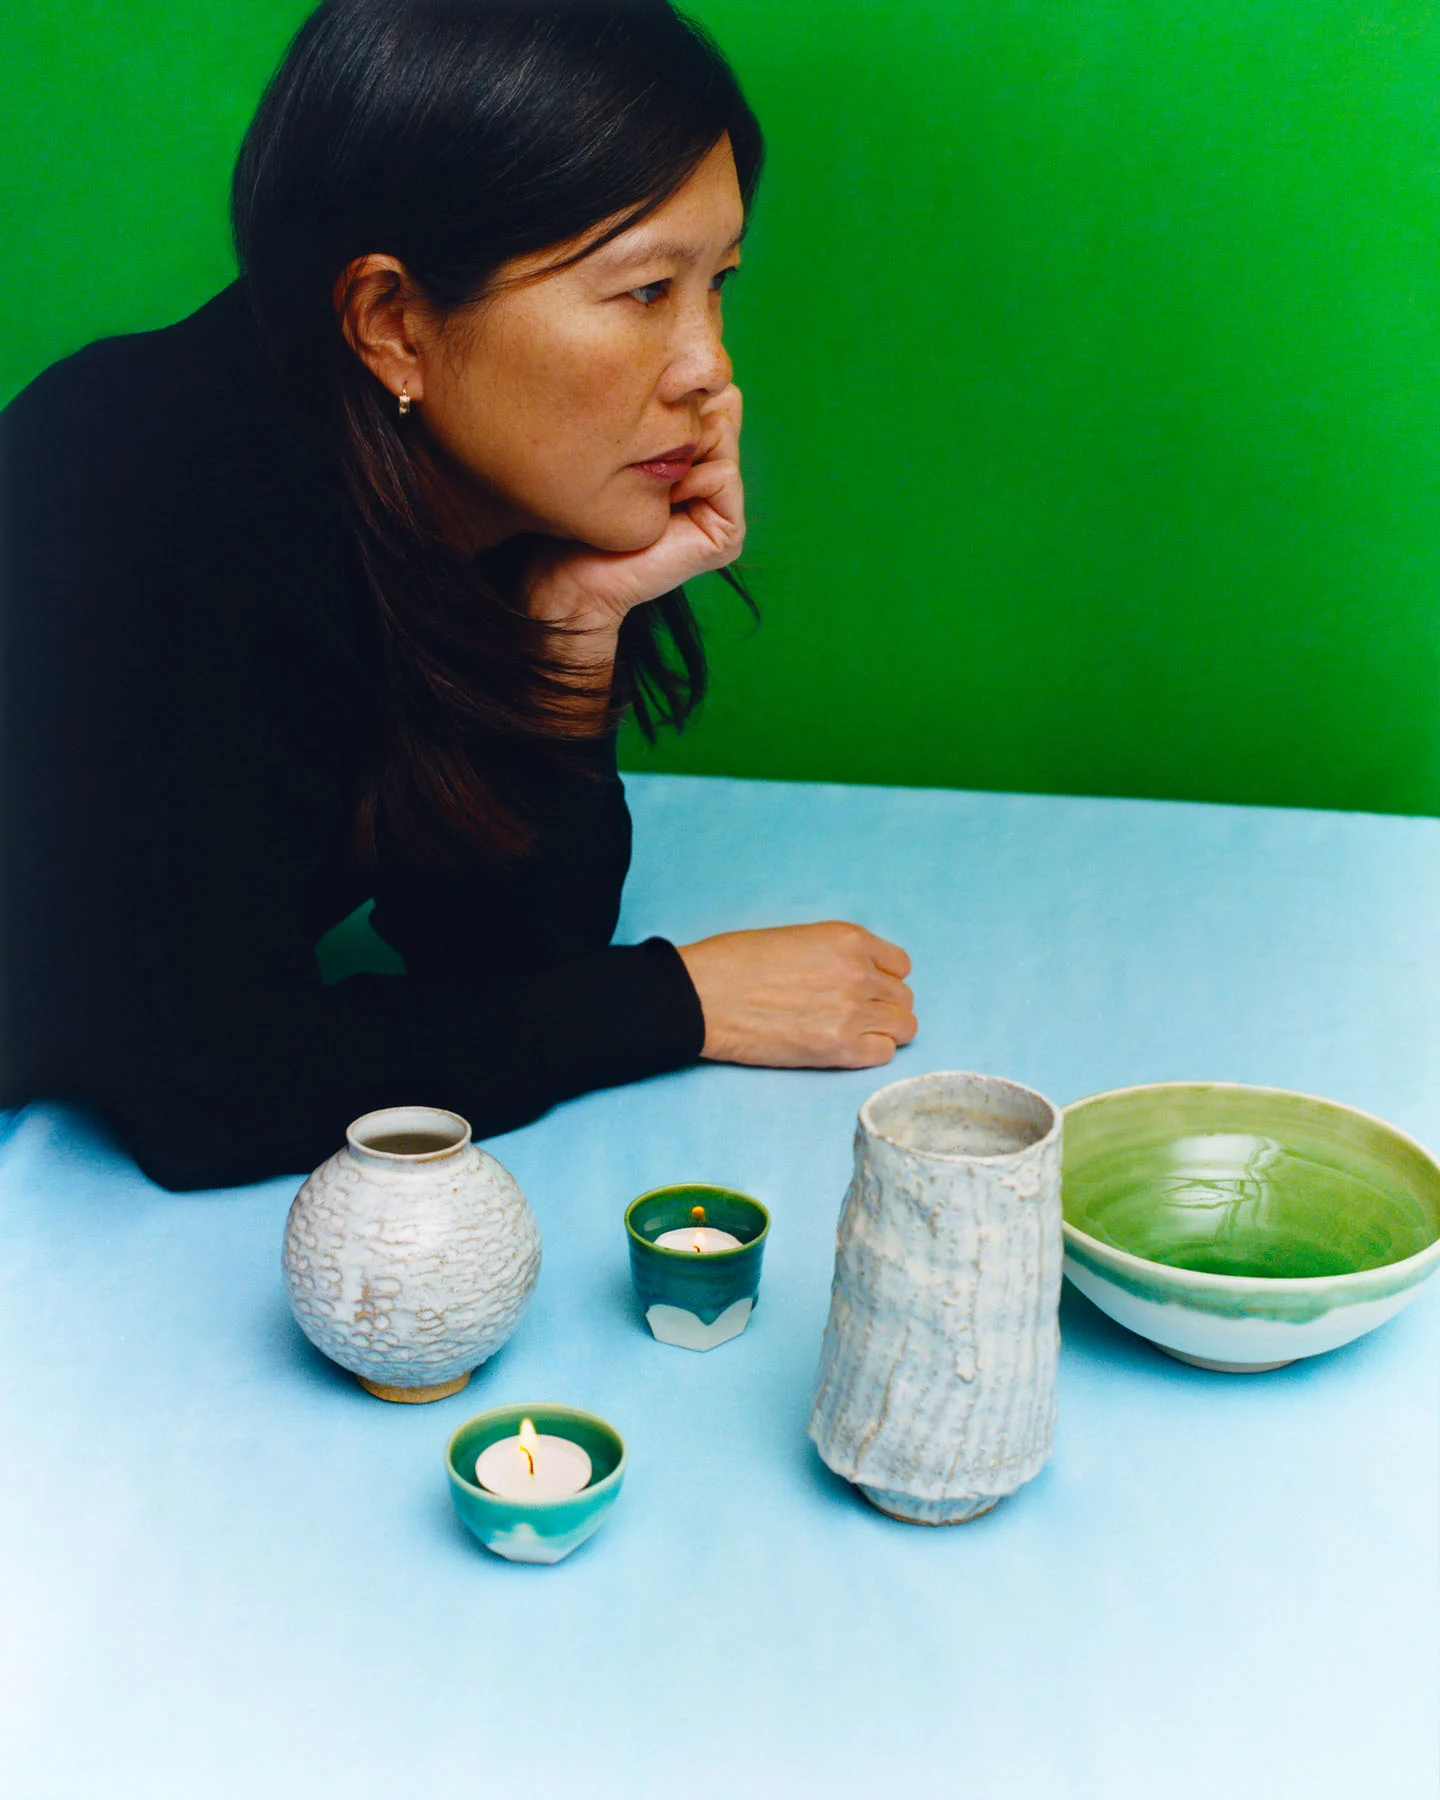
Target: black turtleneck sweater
point(191, 677)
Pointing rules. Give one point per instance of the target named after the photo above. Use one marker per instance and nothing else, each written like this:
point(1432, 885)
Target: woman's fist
point(829, 996)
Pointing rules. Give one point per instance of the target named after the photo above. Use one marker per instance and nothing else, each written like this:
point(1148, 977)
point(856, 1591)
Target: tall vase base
point(929, 1512)
point(415, 1396)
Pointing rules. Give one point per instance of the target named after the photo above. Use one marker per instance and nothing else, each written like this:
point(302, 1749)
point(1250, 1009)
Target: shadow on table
point(287, 1349)
point(286, 1346)
point(1091, 1336)
point(1084, 1328)
point(621, 1296)
point(830, 1488)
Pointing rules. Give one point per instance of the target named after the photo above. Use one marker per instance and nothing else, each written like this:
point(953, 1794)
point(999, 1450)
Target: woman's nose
point(699, 363)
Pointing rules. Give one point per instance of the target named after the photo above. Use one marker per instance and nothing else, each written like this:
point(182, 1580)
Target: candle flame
point(529, 1441)
point(697, 1215)
point(697, 1246)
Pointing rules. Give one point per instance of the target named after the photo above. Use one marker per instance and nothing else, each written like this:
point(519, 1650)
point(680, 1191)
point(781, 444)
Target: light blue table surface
point(226, 1571)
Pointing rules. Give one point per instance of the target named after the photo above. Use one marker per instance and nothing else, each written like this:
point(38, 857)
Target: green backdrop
point(1090, 352)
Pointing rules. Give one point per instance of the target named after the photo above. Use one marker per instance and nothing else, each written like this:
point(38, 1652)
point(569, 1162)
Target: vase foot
point(930, 1512)
point(415, 1396)
point(1226, 1368)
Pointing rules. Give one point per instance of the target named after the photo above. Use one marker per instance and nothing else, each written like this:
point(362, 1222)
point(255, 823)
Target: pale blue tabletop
point(226, 1571)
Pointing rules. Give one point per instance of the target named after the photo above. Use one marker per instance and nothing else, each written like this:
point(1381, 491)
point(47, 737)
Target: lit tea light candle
point(533, 1466)
point(696, 1284)
point(697, 1236)
point(531, 1497)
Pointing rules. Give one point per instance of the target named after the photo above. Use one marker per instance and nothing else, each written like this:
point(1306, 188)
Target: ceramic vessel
point(696, 1302)
point(1239, 1228)
point(535, 1531)
point(936, 1391)
point(410, 1254)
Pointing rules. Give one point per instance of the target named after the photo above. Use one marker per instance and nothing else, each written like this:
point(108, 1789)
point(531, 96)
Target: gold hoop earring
point(405, 401)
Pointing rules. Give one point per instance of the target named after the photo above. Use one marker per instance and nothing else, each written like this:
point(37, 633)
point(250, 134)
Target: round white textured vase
point(936, 1391)
point(410, 1254)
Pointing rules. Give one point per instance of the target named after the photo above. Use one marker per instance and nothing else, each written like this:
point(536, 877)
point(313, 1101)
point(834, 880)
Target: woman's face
point(570, 402)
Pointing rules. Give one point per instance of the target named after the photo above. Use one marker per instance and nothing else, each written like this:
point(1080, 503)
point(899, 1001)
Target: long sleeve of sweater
point(185, 668)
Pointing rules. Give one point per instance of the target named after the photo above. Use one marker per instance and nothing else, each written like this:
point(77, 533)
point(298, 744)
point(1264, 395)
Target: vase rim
point(945, 1077)
point(402, 1121)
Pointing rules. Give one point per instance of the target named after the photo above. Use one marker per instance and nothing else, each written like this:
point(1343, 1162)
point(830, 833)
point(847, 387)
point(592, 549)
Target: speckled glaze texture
point(410, 1270)
point(936, 1390)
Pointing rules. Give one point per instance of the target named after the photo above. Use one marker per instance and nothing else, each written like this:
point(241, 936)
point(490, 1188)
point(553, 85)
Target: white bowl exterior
point(1178, 1326)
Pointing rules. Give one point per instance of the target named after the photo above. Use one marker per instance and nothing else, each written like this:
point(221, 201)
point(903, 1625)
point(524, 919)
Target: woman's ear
point(379, 311)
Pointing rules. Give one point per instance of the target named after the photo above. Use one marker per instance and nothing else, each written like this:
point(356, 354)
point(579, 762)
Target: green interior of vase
point(1237, 1181)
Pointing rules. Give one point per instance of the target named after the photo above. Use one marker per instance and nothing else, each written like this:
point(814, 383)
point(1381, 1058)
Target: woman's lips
point(669, 467)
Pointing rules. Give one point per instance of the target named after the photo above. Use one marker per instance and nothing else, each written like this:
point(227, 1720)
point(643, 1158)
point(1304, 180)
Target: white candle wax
point(701, 1240)
point(533, 1466)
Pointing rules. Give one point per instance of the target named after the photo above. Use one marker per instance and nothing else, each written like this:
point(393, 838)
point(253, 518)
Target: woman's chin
point(637, 528)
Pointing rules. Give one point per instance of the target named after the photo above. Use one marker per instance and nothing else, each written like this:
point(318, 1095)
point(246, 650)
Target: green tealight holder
point(692, 1301)
point(535, 1531)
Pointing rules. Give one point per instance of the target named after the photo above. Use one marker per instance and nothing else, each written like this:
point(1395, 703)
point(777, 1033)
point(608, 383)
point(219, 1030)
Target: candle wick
point(529, 1459)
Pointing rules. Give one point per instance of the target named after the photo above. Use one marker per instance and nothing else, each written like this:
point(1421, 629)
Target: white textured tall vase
point(410, 1254)
point(936, 1391)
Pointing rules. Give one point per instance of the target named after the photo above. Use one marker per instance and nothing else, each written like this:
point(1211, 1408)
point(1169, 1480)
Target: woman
point(339, 588)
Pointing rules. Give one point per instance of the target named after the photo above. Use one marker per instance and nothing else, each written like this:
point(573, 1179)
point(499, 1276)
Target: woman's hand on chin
point(829, 996)
point(572, 584)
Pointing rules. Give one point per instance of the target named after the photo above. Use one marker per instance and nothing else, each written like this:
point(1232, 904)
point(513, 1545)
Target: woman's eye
point(657, 290)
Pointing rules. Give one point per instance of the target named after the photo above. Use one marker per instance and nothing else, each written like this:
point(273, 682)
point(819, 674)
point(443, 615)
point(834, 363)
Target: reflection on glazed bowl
point(1239, 1228)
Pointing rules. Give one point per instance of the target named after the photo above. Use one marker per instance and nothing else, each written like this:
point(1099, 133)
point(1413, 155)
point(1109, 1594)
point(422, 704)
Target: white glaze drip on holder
point(936, 1389)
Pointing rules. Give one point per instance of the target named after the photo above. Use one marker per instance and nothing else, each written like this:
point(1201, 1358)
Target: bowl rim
point(712, 1187)
point(1025, 1152)
point(528, 1409)
point(1259, 1284)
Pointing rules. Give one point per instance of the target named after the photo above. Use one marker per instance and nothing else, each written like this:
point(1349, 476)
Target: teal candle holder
point(696, 1302)
point(535, 1531)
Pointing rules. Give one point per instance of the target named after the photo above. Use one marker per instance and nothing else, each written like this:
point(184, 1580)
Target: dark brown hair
point(456, 135)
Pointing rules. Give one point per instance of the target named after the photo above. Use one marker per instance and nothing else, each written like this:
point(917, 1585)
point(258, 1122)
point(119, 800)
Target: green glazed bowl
point(535, 1531)
point(696, 1302)
point(1239, 1228)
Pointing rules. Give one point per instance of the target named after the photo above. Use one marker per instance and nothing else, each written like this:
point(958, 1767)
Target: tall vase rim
point(400, 1120)
point(939, 1077)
